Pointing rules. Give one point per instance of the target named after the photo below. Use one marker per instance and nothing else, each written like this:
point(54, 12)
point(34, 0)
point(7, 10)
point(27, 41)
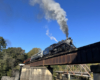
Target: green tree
point(17, 54)
point(10, 59)
point(9, 72)
point(33, 51)
point(2, 43)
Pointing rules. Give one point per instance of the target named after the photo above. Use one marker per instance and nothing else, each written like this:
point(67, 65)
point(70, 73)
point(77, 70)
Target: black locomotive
point(64, 45)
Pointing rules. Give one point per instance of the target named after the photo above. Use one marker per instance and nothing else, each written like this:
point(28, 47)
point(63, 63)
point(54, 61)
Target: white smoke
point(53, 10)
point(50, 35)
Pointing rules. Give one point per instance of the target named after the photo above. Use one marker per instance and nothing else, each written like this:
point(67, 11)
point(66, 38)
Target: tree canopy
point(33, 51)
point(10, 58)
point(2, 43)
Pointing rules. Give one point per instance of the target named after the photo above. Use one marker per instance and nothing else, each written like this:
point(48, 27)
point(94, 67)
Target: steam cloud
point(53, 11)
point(49, 35)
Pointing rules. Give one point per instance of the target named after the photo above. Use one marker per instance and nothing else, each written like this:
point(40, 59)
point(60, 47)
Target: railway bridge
point(83, 55)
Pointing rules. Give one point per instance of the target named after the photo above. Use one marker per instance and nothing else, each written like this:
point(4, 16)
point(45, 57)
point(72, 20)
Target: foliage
point(9, 72)
point(10, 58)
point(2, 43)
point(33, 51)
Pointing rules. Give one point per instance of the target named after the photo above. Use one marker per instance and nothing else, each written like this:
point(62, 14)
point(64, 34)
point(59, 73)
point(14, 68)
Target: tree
point(17, 53)
point(9, 59)
point(2, 43)
point(33, 51)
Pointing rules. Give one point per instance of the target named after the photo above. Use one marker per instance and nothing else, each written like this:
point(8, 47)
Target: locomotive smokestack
point(53, 11)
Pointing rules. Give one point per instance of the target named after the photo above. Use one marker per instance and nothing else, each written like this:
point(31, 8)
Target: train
point(64, 45)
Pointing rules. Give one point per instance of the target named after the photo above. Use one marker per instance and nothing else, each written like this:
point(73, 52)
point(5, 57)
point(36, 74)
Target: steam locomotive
point(64, 45)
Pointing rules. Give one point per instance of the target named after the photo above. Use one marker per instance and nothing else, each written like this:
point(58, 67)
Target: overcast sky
point(25, 26)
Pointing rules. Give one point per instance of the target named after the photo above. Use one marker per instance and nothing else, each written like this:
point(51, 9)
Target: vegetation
point(33, 51)
point(58, 68)
point(2, 43)
point(11, 58)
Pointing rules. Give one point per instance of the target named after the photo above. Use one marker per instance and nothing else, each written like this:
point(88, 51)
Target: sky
point(23, 25)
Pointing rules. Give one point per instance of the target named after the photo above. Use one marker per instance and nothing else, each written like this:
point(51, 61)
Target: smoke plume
point(53, 11)
point(50, 35)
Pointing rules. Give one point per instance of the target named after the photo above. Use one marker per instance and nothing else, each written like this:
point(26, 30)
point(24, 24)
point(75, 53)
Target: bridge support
point(50, 69)
point(68, 76)
point(96, 71)
point(36, 73)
